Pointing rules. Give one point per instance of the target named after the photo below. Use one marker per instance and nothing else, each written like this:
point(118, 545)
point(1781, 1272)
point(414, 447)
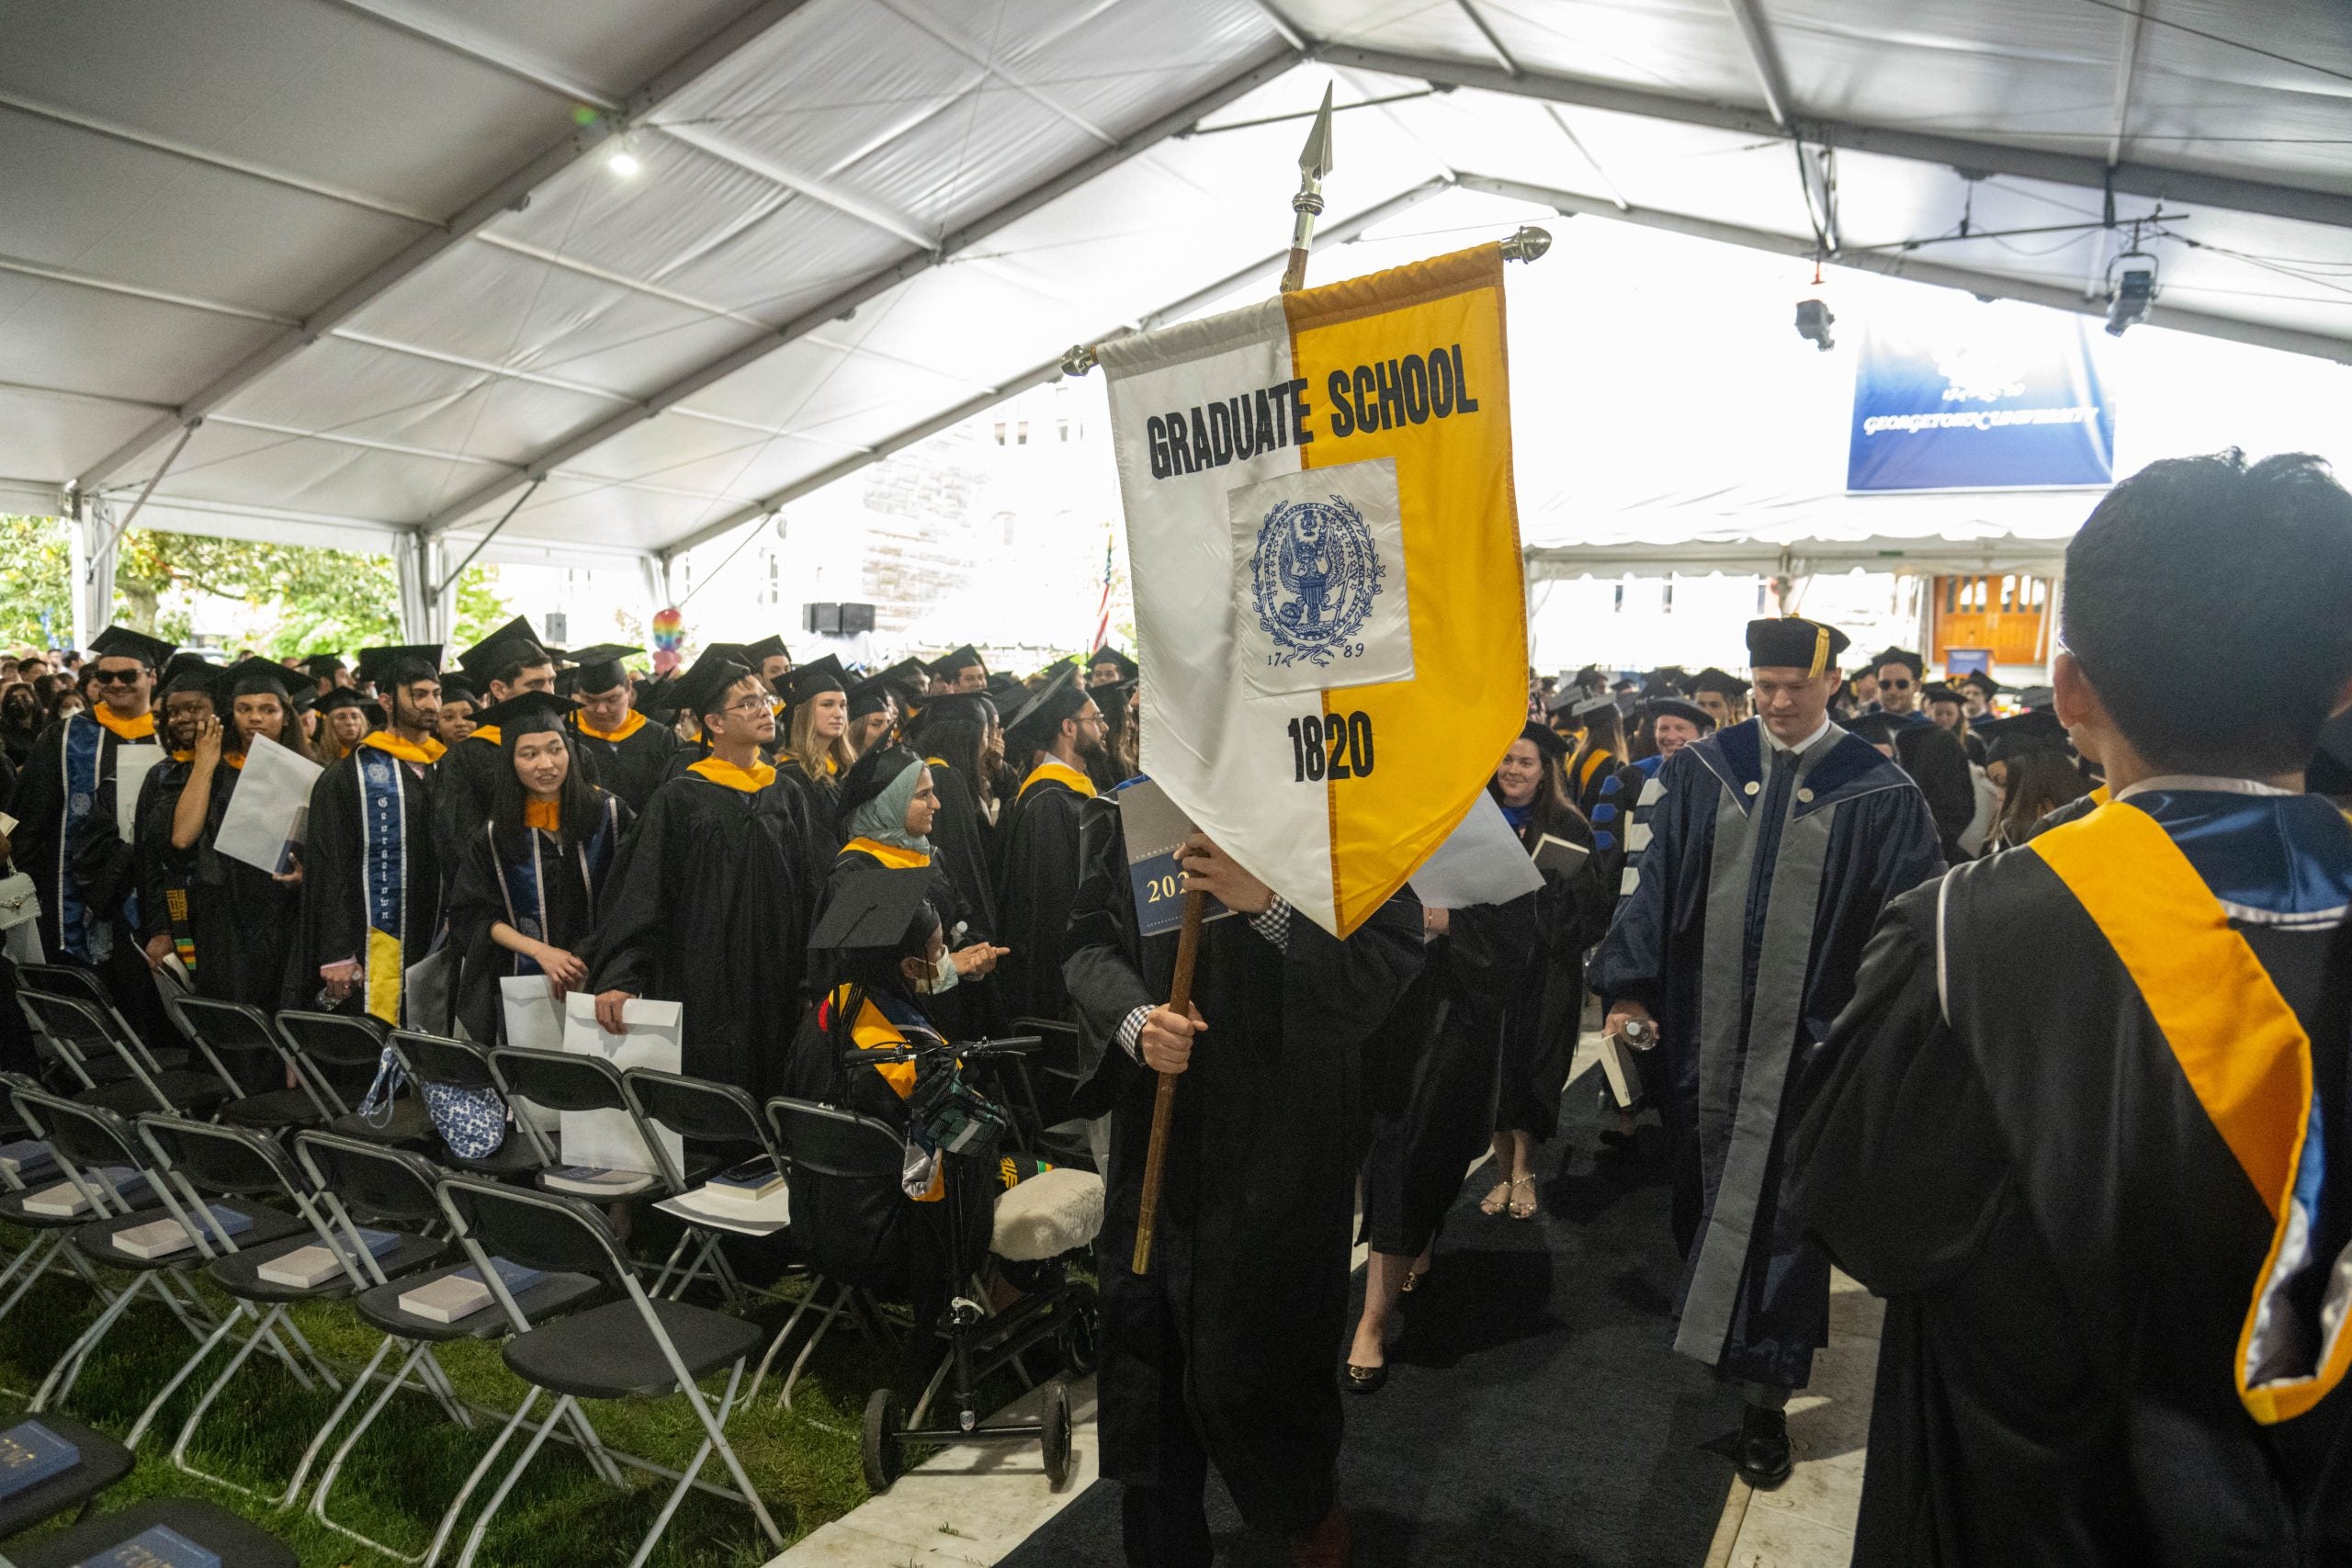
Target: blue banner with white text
point(1980, 396)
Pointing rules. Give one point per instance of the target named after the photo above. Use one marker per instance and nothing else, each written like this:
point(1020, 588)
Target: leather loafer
point(1365, 1380)
point(1764, 1461)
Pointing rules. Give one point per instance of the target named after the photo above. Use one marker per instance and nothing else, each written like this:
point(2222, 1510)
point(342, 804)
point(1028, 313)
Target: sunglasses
point(117, 677)
point(1897, 686)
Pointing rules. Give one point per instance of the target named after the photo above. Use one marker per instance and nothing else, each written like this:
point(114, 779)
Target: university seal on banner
point(1313, 581)
point(1319, 596)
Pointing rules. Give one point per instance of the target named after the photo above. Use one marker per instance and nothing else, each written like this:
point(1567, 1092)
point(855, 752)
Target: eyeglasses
point(117, 677)
point(753, 704)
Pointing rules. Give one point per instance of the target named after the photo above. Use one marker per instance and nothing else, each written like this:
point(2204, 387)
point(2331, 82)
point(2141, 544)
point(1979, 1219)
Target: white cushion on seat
point(1052, 1213)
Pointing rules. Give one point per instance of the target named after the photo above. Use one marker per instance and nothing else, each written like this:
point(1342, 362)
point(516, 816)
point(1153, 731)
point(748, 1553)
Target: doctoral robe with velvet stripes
point(1743, 939)
point(2091, 1106)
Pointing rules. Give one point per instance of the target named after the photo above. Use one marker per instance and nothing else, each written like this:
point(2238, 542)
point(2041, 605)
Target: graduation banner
point(1974, 396)
point(1325, 548)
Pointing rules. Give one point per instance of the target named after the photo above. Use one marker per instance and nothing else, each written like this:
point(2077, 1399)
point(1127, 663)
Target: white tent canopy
point(363, 271)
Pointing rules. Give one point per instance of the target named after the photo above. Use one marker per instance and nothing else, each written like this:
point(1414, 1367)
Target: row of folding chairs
point(388, 1222)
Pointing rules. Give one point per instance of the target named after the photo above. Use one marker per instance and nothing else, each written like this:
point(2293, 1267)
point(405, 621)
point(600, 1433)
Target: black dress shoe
point(1365, 1380)
point(1763, 1461)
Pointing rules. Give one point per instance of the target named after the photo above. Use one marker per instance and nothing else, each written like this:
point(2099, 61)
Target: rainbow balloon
point(668, 636)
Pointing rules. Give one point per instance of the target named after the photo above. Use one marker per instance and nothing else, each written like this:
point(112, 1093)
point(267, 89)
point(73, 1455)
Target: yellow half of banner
point(1411, 364)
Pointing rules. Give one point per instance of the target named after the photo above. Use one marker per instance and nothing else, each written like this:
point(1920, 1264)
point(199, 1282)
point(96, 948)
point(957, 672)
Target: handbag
point(472, 1122)
point(20, 919)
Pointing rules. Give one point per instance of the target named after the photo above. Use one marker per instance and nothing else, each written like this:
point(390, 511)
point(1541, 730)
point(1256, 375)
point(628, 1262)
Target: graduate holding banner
point(1328, 608)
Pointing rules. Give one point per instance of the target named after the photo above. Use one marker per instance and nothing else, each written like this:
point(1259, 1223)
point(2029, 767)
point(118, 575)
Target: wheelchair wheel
point(883, 1451)
point(1078, 1317)
point(1057, 1437)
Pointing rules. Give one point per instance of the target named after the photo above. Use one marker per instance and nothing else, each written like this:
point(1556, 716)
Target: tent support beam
point(873, 285)
point(1985, 285)
point(474, 215)
point(2186, 186)
point(1766, 58)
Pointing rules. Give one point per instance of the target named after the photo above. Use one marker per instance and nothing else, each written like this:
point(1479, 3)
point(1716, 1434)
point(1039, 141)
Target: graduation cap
point(599, 668)
point(1033, 726)
point(1670, 679)
point(1940, 692)
point(657, 699)
point(121, 642)
point(455, 688)
point(701, 689)
point(526, 713)
point(872, 910)
point(340, 698)
point(187, 673)
point(1546, 741)
point(1878, 728)
point(870, 695)
point(1675, 707)
point(956, 661)
point(817, 675)
point(1982, 683)
point(1106, 654)
point(1903, 656)
point(1622, 684)
point(1791, 642)
point(399, 666)
point(306, 699)
point(254, 678)
point(1723, 680)
point(759, 652)
point(870, 775)
point(975, 707)
point(2036, 729)
point(1590, 706)
point(908, 678)
point(323, 666)
point(514, 642)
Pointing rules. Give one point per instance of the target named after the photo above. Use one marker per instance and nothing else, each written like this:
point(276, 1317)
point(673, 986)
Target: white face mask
point(943, 976)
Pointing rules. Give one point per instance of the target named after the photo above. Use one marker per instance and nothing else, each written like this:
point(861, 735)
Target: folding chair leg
point(263, 1332)
point(343, 1408)
point(514, 1473)
point(69, 1365)
point(473, 1479)
point(714, 1436)
point(419, 1355)
point(156, 1405)
point(825, 1319)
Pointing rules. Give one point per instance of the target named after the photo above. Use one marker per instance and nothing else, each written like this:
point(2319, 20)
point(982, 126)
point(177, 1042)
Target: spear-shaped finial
point(1314, 163)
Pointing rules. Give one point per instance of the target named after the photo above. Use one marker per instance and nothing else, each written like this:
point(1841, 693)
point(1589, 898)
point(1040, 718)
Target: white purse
point(20, 919)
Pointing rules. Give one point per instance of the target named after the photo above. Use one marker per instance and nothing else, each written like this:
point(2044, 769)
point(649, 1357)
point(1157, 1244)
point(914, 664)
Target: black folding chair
point(376, 1184)
point(49, 1250)
point(721, 1125)
point(564, 1081)
point(463, 1065)
point(88, 985)
point(90, 1140)
point(246, 1166)
point(1062, 1061)
point(216, 1529)
point(243, 1040)
point(837, 1166)
point(342, 1054)
point(637, 1347)
point(86, 1042)
point(99, 1462)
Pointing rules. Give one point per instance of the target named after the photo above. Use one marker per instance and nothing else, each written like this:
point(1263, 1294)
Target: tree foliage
point(36, 579)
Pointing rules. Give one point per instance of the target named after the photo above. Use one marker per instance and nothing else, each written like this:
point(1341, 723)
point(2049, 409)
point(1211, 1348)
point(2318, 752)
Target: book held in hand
point(29, 1454)
point(454, 1297)
point(164, 1237)
point(64, 1200)
point(1557, 855)
point(157, 1546)
point(596, 1181)
point(746, 1183)
point(314, 1265)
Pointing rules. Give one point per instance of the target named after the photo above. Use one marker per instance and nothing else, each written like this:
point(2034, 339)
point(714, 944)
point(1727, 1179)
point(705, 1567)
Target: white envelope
point(267, 810)
point(131, 766)
point(607, 1139)
point(534, 1022)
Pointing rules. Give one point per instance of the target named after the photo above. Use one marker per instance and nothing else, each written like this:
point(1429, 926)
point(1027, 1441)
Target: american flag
point(1102, 615)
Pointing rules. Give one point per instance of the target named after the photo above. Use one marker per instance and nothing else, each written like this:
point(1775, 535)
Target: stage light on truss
point(2132, 291)
point(1813, 321)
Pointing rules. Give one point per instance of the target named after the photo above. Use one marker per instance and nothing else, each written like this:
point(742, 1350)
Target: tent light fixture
point(2132, 291)
point(624, 163)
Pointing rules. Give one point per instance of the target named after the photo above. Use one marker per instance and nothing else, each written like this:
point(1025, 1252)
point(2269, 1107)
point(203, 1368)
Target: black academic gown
point(1230, 1344)
point(1937, 763)
point(240, 920)
point(490, 885)
point(710, 905)
point(335, 923)
point(1742, 977)
point(1036, 887)
point(1434, 1088)
point(631, 766)
point(1542, 1021)
point(959, 837)
point(2068, 1247)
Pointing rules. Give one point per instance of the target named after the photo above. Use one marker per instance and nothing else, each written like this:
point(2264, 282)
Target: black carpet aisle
point(1535, 1414)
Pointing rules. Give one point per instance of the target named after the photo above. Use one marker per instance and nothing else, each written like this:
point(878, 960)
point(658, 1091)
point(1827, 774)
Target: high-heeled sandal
point(1528, 1213)
point(1366, 1380)
point(1497, 1199)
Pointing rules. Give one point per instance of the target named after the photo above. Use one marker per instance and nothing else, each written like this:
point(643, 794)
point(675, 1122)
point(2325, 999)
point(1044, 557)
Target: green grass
point(804, 1462)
